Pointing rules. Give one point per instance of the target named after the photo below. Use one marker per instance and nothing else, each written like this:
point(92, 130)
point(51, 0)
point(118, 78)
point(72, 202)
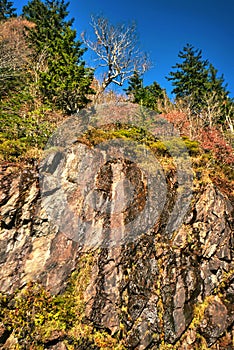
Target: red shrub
point(179, 120)
point(211, 139)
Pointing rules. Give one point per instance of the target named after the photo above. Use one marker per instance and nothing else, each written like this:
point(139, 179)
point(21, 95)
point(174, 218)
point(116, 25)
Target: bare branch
point(14, 51)
point(117, 50)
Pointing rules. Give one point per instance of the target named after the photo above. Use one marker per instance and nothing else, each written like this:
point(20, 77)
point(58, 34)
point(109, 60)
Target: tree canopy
point(60, 71)
point(148, 96)
point(190, 76)
point(117, 50)
point(197, 84)
point(43, 73)
point(42, 76)
point(6, 9)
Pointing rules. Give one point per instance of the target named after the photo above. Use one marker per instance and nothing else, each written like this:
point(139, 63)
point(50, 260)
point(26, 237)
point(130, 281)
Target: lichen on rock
point(158, 289)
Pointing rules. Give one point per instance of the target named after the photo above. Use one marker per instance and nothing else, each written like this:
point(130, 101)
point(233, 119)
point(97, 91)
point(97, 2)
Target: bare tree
point(117, 51)
point(14, 51)
point(229, 119)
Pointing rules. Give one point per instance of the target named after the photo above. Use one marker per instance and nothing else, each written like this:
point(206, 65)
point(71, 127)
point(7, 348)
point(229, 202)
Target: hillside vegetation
point(168, 286)
point(44, 80)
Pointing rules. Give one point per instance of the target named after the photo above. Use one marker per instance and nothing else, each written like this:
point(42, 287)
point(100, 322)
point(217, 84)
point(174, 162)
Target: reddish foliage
point(12, 35)
point(179, 120)
point(211, 139)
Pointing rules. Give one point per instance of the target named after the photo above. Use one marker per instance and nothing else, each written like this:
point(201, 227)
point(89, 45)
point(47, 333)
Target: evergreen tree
point(135, 88)
point(6, 9)
point(216, 95)
point(190, 78)
point(196, 83)
point(153, 94)
point(147, 96)
point(216, 83)
point(62, 76)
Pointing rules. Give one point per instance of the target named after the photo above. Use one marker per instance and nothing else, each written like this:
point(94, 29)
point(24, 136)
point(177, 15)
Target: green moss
point(192, 146)
point(33, 314)
point(159, 147)
point(117, 131)
point(12, 149)
point(169, 147)
point(20, 134)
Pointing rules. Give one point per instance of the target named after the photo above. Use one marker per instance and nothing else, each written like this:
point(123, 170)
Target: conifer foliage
point(148, 96)
point(62, 77)
point(135, 88)
point(6, 9)
point(196, 83)
point(190, 78)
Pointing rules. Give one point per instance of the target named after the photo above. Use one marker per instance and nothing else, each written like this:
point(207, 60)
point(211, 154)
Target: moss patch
point(36, 318)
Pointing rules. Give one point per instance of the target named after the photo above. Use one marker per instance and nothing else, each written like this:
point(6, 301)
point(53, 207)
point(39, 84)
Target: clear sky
point(165, 27)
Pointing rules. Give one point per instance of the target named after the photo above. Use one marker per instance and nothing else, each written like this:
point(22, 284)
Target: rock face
point(156, 291)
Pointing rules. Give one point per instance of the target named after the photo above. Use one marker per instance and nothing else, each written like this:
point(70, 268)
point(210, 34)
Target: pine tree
point(147, 96)
point(190, 78)
point(135, 88)
point(217, 97)
point(62, 76)
point(216, 83)
point(153, 94)
point(6, 9)
point(196, 83)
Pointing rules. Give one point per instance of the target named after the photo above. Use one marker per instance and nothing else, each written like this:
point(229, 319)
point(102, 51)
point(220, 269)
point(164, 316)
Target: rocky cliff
point(158, 290)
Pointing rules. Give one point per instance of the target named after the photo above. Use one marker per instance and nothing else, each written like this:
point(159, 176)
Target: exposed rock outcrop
point(156, 291)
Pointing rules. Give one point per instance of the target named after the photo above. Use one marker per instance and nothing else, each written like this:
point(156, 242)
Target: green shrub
point(34, 315)
point(192, 146)
point(19, 134)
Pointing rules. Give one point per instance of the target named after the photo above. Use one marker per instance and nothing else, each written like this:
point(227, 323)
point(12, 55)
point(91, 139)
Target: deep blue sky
point(165, 27)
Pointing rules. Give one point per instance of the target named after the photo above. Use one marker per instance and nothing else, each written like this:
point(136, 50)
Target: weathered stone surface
point(214, 322)
point(147, 290)
point(4, 334)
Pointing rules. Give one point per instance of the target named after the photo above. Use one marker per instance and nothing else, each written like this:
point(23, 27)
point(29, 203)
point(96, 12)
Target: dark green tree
point(135, 89)
point(197, 84)
point(61, 75)
point(216, 96)
point(6, 9)
point(190, 77)
point(153, 95)
point(216, 83)
point(147, 96)
point(223, 105)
